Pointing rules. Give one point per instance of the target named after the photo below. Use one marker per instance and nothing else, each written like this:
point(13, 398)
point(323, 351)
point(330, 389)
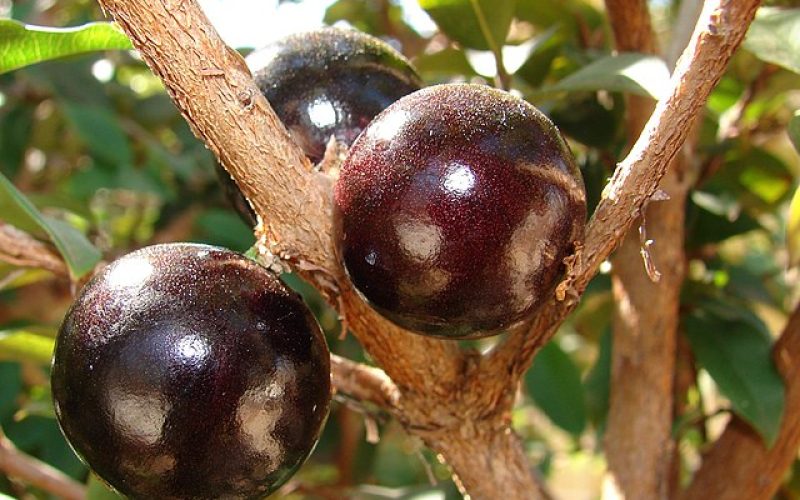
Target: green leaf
point(714, 217)
point(443, 65)
point(793, 129)
point(734, 346)
point(41, 437)
point(97, 490)
point(100, 130)
point(634, 73)
point(476, 24)
point(774, 36)
point(543, 51)
point(79, 254)
point(584, 118)
point(25, 345)
point(224, 228)
point(15, 132)
point(554, 383)
point(793, 229)
point(22, 45)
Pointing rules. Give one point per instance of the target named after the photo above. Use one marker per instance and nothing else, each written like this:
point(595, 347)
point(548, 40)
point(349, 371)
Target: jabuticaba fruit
point(327, 82)
point(455, 208)
point(190, 371)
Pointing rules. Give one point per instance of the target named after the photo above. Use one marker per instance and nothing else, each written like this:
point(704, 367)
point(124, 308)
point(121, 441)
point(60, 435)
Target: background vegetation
point(95, 158)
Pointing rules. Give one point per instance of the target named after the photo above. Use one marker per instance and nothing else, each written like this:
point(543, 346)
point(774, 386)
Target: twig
point(21, 249)
point(18, 465)
point(719, 32)
point(364, 383)
point(496, 46)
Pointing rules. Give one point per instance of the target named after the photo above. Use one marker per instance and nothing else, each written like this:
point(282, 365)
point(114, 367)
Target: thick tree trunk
point(638, 437)
point(638, 440)
point(497, 452)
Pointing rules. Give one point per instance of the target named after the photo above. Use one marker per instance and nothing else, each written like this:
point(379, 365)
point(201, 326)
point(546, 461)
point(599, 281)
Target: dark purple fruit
point(189, 371)
point(328, 82)
point(455, 208)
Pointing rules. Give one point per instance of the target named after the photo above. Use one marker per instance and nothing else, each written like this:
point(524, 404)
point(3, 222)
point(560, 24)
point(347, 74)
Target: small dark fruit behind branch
point(455, 208)
point(189, 371)
point(323, 83)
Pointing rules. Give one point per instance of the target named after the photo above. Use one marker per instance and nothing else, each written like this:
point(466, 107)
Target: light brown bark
point(214, 91)
point(18, 465)
point(719, 31)
point(477, 448)
point(739, 465)
point(638, 440)
point(21, 249)
point(638, 435)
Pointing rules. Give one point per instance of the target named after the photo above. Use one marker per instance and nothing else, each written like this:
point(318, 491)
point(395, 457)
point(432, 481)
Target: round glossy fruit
point(455, 208)
point(189, 371)
point(328, 82)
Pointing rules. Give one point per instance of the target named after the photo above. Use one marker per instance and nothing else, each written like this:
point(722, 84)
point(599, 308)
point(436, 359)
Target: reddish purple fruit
point(328, 82)
point(455, 208)
point(189, 371)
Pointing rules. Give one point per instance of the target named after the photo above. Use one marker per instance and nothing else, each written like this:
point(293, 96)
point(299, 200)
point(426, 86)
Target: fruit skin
point(330, 81)
point(455, 208)
point(189, 371)
point(327, 82)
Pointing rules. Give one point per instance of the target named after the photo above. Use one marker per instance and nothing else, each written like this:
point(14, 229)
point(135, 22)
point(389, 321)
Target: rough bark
point(719, 31)
point(638, 440)
point(638, 437)
point(630, 22)
point(739, 465)
point(476, 449)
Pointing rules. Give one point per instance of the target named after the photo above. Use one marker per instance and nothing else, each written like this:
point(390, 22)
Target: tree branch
point(21, 249)
point(18, 465)
point(630, 21)
point(719, 31)
point(364, 383)
point(739, 465)
point(638, 440)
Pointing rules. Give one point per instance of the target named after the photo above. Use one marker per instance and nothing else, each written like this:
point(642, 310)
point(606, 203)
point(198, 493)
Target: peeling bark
point(21, 249)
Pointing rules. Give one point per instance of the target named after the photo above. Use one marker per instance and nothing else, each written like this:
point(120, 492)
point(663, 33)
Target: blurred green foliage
point(102, 164)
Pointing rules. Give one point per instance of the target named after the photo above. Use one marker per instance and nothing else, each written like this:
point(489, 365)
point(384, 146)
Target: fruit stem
point(503, 79)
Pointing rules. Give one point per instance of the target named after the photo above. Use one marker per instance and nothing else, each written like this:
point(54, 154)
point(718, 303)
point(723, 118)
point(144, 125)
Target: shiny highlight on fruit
point(189, 371)
point(327, 82)
point(455, 208)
